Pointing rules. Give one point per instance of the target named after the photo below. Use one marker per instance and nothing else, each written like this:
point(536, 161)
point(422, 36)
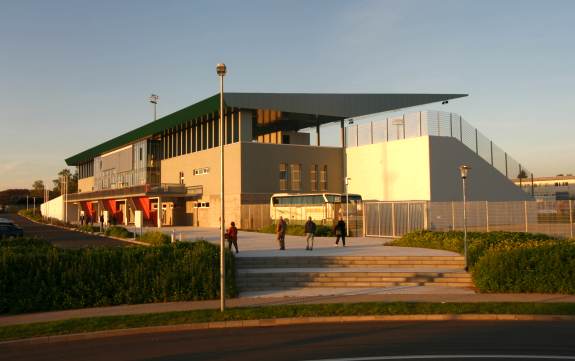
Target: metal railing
point(434, 123)
point(394, 219)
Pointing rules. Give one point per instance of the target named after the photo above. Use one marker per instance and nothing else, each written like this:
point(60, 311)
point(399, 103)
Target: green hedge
point(155, 238)
point(47, 278)
point(24, 244)
point(299, 230)
point(120, 232)
point(477, 242)
point(508, 261)
point(544, 268)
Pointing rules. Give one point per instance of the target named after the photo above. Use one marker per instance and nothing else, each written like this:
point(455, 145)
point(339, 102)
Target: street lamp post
point(347, 179)
point(154, 100)
point(463, 170)
point(221, 70)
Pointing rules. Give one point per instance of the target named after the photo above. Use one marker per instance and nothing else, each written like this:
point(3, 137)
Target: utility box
point(138, 219)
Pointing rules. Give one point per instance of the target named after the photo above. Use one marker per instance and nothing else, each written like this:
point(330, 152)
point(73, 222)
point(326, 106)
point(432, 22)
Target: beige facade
point(252, 175)
point(86, 184)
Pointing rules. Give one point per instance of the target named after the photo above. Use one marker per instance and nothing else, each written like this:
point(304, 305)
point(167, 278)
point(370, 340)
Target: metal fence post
point(425, 215)
point(571, 218)
point(393, 220)
point(487, 216)
point(525, 212)
point(408, 218)
point(452, 216)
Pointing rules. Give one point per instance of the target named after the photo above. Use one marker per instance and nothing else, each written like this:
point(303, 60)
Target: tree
point(38, 188)
point(72, 182)
point(522, 175)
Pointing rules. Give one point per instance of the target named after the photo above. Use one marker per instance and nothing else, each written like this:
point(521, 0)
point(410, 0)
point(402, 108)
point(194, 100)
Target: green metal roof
point(203, 107)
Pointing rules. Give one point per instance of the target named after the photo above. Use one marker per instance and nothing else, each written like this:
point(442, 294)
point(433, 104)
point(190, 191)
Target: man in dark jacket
point(232, 236)
point(340, 231)
point(281, 233)
point(309, 232)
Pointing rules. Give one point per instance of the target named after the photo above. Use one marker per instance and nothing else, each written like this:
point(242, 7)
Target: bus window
point(332, 198)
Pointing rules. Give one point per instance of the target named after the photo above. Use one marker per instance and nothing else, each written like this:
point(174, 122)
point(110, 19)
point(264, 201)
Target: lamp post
point(347, 179)
point(463, 170)
point(154, 100)
point(221, 70)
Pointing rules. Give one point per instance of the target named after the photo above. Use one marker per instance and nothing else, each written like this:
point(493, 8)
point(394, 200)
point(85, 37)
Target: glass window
point(283, 177)
point(295, 177)
point(313, 170)
point(323, 178)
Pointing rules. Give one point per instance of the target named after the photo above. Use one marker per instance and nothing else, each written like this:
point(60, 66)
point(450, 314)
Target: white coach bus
point(323, 208)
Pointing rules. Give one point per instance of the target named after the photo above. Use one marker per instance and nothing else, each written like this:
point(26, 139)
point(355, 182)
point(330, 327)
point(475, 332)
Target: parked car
point(9, 229)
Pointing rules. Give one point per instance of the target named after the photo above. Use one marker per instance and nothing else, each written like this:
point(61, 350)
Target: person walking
point(232, 236)
point(281, 233)
point(340, 231)
point(309, 233)
point(101, 223)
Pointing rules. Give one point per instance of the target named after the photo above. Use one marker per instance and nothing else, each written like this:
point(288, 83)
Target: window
point(295, 177)
point(202, 205)
point(283, 177)
point(140, 154)
point(313, 170)
point(323, 178)
point(201, 171)
point(181, 176)
point(285, 139)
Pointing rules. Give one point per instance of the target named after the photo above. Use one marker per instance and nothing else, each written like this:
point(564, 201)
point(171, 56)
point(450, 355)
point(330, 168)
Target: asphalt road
point(60, 237)
point(485, 340)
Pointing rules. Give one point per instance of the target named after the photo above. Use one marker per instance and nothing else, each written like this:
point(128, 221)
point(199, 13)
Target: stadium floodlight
point(154, 100)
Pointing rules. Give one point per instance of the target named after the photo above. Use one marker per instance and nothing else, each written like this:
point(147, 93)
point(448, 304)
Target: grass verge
point(92, 324)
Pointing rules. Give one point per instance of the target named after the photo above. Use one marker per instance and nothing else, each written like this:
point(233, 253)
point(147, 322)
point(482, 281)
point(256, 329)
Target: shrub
point(155, 238)
point(44, 279)
point(120, 232)
point(24, 244)
point(298, 230)
point(543, 267)
point(30, 214)
point(477, 242)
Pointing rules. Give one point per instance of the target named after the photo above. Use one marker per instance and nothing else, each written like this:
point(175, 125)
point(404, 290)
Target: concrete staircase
point(273, 273)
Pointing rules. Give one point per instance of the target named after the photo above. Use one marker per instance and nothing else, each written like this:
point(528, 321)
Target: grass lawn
point(80, 325)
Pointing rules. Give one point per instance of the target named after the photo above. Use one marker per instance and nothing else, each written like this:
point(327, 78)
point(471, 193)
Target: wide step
point(262, 279)
point(456, 262)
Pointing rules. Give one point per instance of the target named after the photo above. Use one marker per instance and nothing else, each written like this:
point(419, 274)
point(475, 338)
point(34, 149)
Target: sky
point(76, 73)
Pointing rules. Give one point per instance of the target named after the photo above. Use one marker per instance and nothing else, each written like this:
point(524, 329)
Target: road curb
point(272, 322)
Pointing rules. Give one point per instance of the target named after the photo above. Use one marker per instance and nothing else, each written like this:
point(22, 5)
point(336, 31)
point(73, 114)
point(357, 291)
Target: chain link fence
point(394, 219)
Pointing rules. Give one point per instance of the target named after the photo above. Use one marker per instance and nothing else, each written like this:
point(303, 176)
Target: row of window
point(199, 134)
point(290, 177)
point(86, 170)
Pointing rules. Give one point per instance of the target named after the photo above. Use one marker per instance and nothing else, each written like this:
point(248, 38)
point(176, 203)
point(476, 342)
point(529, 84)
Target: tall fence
point(417, 124)
point(256, 216)
point(394, 219)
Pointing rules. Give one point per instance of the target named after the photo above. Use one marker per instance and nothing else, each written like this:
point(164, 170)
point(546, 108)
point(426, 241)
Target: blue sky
point(76, 73)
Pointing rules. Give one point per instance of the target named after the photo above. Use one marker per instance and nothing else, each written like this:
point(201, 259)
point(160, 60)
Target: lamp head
point(221, 69)
point(463, 171)
point(154, 99)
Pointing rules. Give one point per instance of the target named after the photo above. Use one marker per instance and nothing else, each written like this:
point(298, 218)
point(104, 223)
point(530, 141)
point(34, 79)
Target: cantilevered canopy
point(298, 110)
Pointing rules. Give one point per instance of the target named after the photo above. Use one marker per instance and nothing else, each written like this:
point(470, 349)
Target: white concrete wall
point(54, 208)
point(390, 171)
point(425, 168)
point(484, 183)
